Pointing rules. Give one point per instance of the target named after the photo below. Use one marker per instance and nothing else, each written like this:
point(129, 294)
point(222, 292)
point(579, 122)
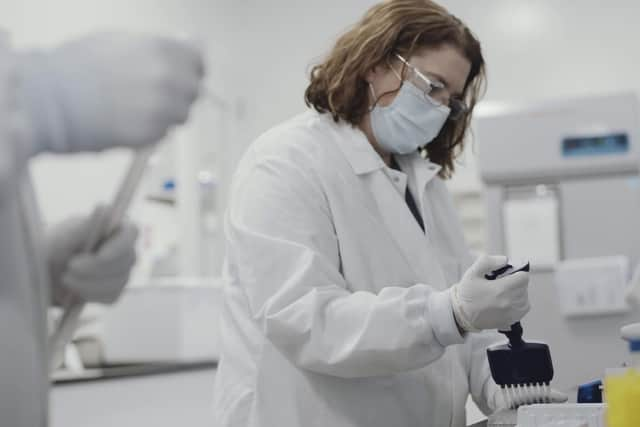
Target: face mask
point(409, 122)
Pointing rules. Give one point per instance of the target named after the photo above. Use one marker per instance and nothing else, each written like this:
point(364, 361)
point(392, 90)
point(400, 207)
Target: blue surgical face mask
point(411, 121)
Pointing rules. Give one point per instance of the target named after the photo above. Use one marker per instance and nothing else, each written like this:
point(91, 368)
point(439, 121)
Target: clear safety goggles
point(433, 90)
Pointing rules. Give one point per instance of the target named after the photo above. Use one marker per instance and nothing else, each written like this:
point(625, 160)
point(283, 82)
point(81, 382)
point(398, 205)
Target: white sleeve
point(15, 150)
point(283, 252)
point(21, 137)
point(40, 100)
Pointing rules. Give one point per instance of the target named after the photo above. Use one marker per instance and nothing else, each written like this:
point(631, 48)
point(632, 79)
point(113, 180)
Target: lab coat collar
point(358, 151)
point(411, 241)
point(364, 159)
point(424, 169)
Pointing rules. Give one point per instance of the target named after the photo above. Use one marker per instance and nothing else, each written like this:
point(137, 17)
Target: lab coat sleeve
point(283, 252)
point(14, 145)
point(482, 387)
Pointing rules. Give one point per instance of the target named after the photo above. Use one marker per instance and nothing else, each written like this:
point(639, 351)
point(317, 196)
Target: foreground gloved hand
point(108, 90)
point(480, 304)
point(98, 277)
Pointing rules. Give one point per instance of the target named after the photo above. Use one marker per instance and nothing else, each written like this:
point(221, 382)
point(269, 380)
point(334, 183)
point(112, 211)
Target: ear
point(375, 73)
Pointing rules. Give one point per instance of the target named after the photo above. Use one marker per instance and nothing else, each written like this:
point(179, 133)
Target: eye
point(437, 90)
point(437, 84)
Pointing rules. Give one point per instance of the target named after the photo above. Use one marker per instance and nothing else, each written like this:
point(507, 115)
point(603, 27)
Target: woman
point(345, 303)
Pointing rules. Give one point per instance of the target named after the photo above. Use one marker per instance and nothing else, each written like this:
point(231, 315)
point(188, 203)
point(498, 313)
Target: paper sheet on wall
point(531, 230)
point(592, 286)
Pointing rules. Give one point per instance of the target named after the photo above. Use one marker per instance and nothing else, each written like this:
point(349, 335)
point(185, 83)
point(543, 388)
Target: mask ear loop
point(373, 96)
point(422, 151)
point(373, 92)
point(398, 75)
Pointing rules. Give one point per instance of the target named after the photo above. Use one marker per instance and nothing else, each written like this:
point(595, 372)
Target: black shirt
point(411, 203)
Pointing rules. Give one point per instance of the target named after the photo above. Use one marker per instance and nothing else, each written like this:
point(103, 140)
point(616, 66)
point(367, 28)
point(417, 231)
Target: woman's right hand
point(480, 304)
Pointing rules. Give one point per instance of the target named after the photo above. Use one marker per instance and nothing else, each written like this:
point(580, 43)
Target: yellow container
point(622, 394)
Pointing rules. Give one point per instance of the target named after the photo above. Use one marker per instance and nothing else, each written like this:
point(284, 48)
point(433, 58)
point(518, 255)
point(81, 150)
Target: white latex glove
point(108, 90)
point(98, 277)
point(480, 304)
point(508, 400)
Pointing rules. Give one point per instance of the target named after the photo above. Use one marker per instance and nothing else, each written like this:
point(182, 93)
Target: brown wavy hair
point(338, 84)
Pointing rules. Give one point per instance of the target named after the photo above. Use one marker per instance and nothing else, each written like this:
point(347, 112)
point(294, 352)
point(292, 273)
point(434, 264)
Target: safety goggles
point(433, 90)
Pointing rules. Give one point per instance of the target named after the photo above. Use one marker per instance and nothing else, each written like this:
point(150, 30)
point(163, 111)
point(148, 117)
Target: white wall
point(260, 52)
point(546, 48)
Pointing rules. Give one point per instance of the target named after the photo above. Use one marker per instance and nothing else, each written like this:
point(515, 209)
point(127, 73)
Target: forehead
point(445, 62)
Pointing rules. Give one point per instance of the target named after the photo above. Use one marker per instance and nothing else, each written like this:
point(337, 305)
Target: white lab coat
point(24, 284)
point(337, 309)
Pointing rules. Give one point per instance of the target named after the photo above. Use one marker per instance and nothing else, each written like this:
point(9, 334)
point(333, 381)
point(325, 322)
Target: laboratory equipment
point(590, 392)
point(104, 226)
point(176, 318)
point(622, 386)
point(181, 225)
point(563, 184)
point(562, 178)
point(503, 418)
point(622, 394)
point(564, 415)
point(522, 370)
point(510, 268)
point(631, 333)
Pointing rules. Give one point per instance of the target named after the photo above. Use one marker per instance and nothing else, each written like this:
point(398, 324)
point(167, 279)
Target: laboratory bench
point(137, 395)
point(151, 394)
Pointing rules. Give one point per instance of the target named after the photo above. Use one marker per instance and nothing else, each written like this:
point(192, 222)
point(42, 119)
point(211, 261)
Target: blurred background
point(259, 55)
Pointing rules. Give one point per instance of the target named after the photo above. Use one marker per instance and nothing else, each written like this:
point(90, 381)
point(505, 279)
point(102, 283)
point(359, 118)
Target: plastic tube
point(104, 225)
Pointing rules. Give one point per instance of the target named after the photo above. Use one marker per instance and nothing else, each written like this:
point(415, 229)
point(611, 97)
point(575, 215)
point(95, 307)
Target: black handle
point(514, 335)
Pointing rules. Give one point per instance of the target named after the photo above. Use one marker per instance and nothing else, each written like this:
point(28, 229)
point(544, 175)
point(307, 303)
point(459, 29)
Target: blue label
point(596, 146)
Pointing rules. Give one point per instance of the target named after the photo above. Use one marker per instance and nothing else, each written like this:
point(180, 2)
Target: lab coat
point(336, 303)
point(24, 284)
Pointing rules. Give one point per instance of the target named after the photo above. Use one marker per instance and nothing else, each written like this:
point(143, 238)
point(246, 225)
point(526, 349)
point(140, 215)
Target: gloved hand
point(480, 304)
point(108, 90)
point(98, 277)
point(512, 400)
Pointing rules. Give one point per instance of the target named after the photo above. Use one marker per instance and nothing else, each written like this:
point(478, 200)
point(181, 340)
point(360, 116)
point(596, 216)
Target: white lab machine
point(562, 415)
point(563, 190)
point(172, 320)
